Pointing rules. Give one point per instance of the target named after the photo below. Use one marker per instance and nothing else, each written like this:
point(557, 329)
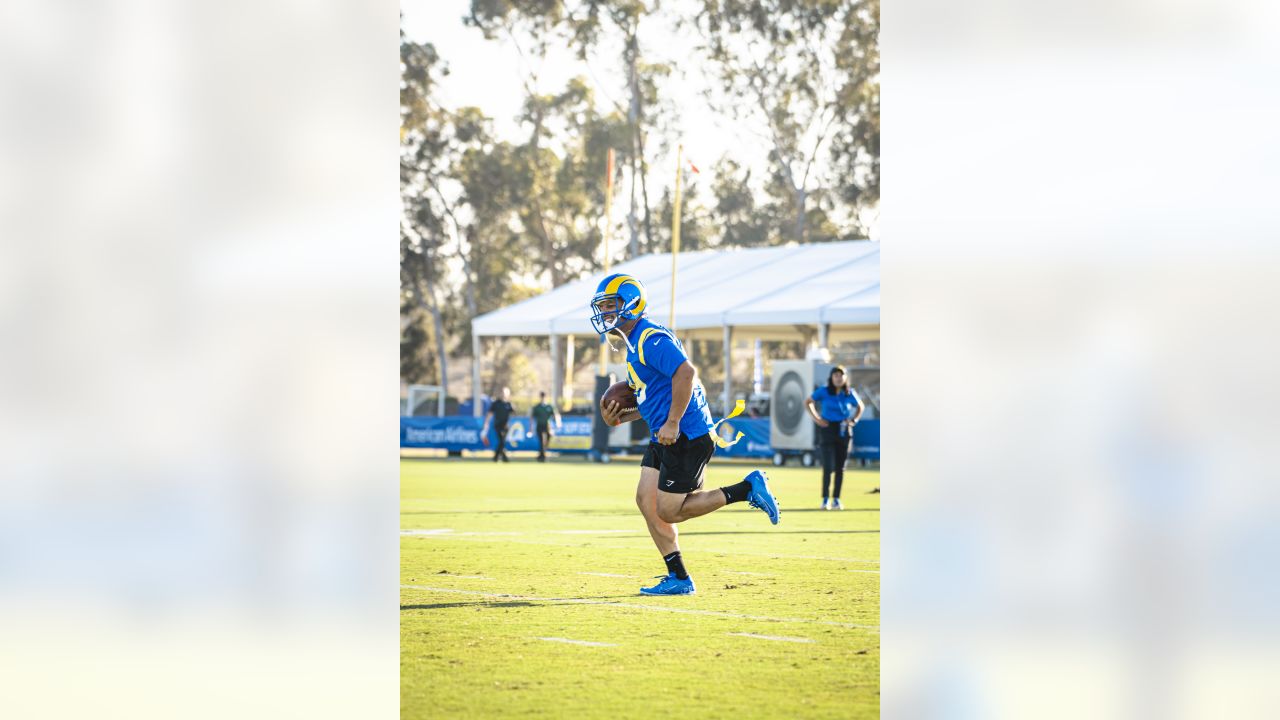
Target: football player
point(671, 400)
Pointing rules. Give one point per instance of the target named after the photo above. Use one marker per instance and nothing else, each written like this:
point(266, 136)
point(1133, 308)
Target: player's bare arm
point(681, 390)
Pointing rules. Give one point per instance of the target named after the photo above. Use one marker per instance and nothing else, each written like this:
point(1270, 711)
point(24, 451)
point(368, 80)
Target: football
point(621, 393)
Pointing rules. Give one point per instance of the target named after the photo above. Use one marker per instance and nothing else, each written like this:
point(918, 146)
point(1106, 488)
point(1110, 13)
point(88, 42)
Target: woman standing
point(835, 408)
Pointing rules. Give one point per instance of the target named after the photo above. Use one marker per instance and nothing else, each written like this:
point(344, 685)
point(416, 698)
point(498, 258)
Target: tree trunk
point(801, 197)
point(644, 195)
point(539, 226)
point(437, 323)
point(471, 285)
point(633, 224)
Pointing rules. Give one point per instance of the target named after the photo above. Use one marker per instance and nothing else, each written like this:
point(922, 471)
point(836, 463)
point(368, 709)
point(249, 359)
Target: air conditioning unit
point(791, 428)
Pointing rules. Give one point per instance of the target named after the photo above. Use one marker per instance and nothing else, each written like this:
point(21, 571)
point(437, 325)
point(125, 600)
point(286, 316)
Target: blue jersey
point(835, 408)
point(652, 359)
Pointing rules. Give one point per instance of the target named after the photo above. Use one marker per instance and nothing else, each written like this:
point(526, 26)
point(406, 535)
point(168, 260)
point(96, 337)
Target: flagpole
point(675, 235)
point(608, 229)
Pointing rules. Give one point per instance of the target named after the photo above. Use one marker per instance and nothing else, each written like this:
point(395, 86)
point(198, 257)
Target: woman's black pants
point(834, 449)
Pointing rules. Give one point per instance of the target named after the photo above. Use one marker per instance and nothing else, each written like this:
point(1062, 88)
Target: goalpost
point(419, 394)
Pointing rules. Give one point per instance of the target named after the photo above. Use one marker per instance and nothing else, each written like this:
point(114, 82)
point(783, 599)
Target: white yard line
point(608, 575)
point(877, 572)
point(708, 551)
point(744, 572)
point(588, 643)
point(443, 533)
point(772, 637)
point(588, 532)
point(635, 606)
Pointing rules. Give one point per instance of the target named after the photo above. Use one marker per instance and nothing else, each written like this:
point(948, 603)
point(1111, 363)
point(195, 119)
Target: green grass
point(505, 568)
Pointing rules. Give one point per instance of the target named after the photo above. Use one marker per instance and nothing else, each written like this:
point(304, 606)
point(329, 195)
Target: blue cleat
point(760, 497)
point(670, 585)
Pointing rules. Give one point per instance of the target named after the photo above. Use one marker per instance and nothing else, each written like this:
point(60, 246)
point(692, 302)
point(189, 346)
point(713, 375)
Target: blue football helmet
point(618, 298)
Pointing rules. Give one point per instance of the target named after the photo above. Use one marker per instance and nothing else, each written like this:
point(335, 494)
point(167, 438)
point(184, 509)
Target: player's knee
point(669, 515)
point(648, 504)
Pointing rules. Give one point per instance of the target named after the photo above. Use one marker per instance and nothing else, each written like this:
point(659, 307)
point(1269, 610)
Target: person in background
point(540, 418)
point(499, 412)
point(835, 408)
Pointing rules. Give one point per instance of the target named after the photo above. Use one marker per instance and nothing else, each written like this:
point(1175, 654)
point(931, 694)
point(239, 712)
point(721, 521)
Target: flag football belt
point(715, 434)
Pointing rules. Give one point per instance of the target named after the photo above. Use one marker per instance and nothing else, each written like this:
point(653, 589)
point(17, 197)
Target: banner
point(866, 440)
point(573, 436)
point(452, 432)
point(755, 437)
point(459, 432)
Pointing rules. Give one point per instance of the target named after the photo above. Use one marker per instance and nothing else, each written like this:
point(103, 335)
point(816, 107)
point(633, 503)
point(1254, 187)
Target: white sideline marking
point(744, 572)
point(877, 572)
point(587, 532)
point(607, 575)
point(773, 637)
point(635, 606)
point(464, 577)
point(578, 642)
point(433, 531)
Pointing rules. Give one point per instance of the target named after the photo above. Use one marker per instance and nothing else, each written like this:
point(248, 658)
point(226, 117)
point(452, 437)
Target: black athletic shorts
point(680, 465)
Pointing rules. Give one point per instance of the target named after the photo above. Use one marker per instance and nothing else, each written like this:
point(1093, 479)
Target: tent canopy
point(835, 284)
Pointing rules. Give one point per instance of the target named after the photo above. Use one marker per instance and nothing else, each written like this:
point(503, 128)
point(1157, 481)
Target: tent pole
point(728, 368)
point(567, 387)
point(476, 410)
point(822, 334)
point(757, 371)
point(555, 369)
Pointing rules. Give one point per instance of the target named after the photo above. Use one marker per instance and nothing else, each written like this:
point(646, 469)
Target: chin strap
point(608, 337)
point(626, 340)
point(715, 429)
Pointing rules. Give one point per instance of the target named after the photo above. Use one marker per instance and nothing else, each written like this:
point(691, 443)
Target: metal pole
point(757, 374)
point(476, 410)
point(728, 368)
point(567, 388)
point(608, 232)
point(555, 369)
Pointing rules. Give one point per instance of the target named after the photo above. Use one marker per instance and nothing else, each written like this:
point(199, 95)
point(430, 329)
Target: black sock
point(675, 565)
point(736, 493)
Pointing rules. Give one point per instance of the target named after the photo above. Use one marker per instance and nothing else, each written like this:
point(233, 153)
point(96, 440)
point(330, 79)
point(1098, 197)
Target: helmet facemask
point(609, 313)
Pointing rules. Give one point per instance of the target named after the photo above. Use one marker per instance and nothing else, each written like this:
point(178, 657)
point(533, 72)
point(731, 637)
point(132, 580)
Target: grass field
point(519, 597)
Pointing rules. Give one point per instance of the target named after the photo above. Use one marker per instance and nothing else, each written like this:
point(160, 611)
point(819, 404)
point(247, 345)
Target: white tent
point(800, 292)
